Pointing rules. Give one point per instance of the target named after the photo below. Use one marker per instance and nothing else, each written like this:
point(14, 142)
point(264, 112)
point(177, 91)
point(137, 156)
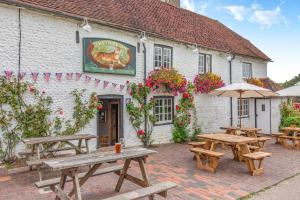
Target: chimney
point(173, 2)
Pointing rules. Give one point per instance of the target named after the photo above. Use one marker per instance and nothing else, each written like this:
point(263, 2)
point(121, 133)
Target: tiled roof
point(157, 19)
point(270, 84)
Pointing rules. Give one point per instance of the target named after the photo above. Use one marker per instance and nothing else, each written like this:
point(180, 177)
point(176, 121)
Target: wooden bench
point(197, 144)
point(56, 181)
point(160, 189)
point(251, 157)
point(253, 148)
point(294, 139)
point(277, 135)
point(210, 158)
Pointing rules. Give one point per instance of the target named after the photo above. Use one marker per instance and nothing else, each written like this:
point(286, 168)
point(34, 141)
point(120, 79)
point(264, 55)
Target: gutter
point(109, 24)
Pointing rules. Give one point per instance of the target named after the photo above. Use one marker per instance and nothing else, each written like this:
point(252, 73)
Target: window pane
point(208, 63)
point(201, 64)
point(157, 56)
point(247, 70)
point(163, 109)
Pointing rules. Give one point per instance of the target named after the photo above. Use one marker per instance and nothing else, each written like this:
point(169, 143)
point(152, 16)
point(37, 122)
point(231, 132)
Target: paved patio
point(175, 163)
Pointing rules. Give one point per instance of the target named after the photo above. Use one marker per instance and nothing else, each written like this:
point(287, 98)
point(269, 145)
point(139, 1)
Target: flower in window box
point(185, 95)
point(177, 107)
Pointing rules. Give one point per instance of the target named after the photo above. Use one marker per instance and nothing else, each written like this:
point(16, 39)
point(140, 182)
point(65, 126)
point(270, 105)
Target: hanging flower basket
point(204, 83)
point(255, 81)
point(168, 80)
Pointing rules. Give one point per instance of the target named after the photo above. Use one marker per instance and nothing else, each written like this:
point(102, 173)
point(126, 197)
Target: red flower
point(186, 95)
point(100, 107)
point(31, 89)
point(140, 85)
point(127, 82)
point(177, 107)
point(141, 132)
point(61, 112)
point(43, 92)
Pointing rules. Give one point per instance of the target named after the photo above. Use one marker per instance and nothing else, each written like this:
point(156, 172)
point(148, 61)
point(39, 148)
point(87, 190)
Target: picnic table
point(240, 149)
point(290, 133)
point(250, 132)
point(53, 143)
point(232, 130)
point(69, 168)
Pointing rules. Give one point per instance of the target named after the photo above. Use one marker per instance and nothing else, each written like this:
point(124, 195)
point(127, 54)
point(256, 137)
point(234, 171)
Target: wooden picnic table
point(238, 144)
point(53, 142)
point(250, 132)
point(232, 130)
point(294, 136)
point(69, 167)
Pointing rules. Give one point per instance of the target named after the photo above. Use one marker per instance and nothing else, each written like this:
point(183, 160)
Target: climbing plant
point(26, 112)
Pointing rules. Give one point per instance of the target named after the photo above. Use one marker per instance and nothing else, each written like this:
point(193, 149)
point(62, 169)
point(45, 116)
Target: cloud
point(238, 12)
point(188, 4)
point(192, 6)
point(257, 14)
point(266, 18)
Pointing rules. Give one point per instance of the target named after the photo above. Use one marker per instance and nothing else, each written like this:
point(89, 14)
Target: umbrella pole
point(241, 109)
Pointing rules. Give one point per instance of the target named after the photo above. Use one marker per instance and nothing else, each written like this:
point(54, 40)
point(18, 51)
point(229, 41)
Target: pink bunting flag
point(58, 76)
point(78, 76)
point(87, 79)
point(69, 76)
point(105, 84)
point(22, 75)
point(122, 87)
point(114, 85)
point(34, 76)
point(47, 76)
point(97, 81)
point(8, 74)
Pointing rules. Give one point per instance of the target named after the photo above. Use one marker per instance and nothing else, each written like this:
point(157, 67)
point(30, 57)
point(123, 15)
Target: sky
point(271, 25)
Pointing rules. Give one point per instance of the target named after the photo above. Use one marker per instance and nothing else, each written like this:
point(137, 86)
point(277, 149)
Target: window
point(162, 56)
point(204, 64)
point(245, 108)
point(247, 70)
point(163, 109)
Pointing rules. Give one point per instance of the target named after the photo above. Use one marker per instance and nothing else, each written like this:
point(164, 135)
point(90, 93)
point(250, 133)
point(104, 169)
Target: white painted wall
point(48, 45)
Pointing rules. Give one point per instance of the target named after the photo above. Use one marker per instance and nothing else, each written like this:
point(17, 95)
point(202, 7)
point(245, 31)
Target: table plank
point(226, 138)
point(40, 140)
point(251, 129)
point(97, 158)
point(230, 128)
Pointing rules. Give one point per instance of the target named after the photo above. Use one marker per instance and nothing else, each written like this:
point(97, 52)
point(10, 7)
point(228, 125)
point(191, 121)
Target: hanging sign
point(108, 56)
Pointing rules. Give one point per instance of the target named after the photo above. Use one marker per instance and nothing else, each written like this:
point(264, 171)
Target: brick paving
point(174, 163)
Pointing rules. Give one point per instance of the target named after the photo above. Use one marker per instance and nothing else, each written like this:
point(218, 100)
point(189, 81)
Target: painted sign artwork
point(108, 56)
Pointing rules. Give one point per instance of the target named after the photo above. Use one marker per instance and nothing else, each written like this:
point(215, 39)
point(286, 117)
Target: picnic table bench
point(232, 130)
point(239, 146)
point(69, 168)
point(43, 146)
point(294, 137)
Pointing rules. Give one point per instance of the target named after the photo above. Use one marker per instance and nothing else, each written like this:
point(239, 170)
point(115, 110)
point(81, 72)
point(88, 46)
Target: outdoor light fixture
point(85, 25)
point(142, 37)
point(230, 57)
point(195, 49)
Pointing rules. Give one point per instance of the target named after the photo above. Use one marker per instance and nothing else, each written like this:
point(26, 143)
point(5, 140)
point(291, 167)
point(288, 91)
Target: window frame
point(247, 115)
point(205, 63)
point(251, 70)
point(162, 56)
point(158, 123)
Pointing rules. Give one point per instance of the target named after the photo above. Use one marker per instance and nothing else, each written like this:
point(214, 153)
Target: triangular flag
point(69, 76)
point(122, 87)
point(114, 85)
point(22, 75)
point(47, 76)
point(97, 81)
point(105, 84)
point(58, 76)
point(34, 76)
point(8, 74)
point(87, 79)
point(78, 76)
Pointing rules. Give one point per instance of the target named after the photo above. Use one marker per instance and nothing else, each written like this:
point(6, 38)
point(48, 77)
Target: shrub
point(288, 121)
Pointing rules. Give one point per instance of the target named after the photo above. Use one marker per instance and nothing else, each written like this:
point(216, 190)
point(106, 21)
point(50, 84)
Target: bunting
point(105, 84)
point(22, 75)
point(78, 76)
point(47, 76)
point(58, 76)
point(69, 76)
point(8, 74)
point(97, 81)
point(34, 76)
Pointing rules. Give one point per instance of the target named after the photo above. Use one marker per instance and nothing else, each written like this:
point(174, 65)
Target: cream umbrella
point(293, 91)
point(242, 90)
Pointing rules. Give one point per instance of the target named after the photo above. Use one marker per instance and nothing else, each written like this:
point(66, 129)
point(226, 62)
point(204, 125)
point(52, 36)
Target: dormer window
point(204, 63)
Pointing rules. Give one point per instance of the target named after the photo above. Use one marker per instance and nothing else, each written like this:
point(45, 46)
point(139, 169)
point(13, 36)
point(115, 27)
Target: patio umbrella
point(293, 91)
point(242, 90)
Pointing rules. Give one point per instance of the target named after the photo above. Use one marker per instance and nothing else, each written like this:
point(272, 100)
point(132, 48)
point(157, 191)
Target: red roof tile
point(270, 84)
point(157, 19)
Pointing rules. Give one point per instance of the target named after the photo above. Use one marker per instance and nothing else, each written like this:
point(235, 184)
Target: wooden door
point(114, 123)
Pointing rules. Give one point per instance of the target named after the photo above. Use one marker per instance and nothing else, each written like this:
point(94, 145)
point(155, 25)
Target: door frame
point(121, 118)
point(255, 111)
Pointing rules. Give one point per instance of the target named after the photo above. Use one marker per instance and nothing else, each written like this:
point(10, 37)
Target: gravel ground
point(286, 190)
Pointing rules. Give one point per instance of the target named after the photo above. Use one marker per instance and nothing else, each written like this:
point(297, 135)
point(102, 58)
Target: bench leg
point(123, 174)
point(61, 187)
point(210, 165)
point(252, 168)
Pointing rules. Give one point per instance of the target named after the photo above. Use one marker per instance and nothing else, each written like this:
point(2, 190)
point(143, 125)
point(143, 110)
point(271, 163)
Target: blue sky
point(272, 25)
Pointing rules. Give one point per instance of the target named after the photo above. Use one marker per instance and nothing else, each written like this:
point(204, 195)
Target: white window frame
point(247, 70)
point(204, 63)
point(245, 106)
point(163, 109)
point(163, 56)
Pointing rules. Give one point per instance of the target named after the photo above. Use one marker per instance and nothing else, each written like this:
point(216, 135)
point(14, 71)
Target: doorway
point(110, 120)
point(263, 115)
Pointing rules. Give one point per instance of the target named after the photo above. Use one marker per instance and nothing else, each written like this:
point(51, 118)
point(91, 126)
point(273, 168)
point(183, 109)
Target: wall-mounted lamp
point(141, 39)
point(85, 25)
point(77, 36)
point(195, 49)
point(230, 56)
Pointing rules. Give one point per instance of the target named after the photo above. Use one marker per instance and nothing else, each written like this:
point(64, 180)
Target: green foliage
point(196, 132)
point(182, 118)
point(18, 119)
point(289, 115)
point(291, 82)
point(140, 111)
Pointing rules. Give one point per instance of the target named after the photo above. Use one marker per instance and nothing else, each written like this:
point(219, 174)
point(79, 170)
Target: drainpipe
point(230, 58)
point(145, 76)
